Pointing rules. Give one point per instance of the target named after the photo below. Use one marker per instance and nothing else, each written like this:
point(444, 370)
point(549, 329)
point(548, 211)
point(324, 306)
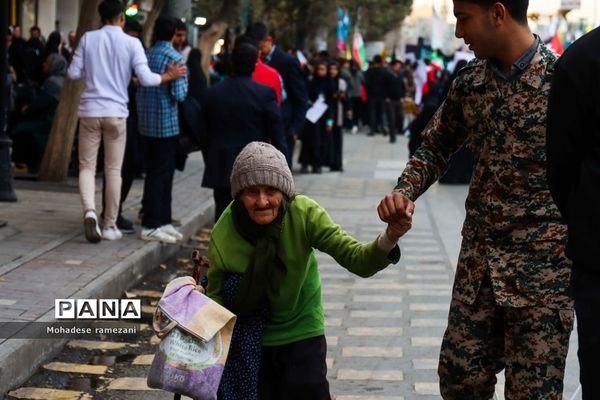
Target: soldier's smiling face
point(475, 24)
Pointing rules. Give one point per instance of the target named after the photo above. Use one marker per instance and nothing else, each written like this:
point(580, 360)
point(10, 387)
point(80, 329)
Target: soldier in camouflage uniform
point(510, 306)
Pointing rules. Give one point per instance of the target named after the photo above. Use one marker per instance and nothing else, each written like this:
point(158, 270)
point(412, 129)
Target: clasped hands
point(396, 210)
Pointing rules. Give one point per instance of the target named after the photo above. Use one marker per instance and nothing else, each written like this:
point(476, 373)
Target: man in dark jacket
point(573, 146)
point(395, 92)
point(376, 79)
point(295, 100)
point(234, 113)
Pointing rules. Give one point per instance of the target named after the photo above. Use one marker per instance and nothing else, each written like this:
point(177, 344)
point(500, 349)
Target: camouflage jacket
point(512, 228)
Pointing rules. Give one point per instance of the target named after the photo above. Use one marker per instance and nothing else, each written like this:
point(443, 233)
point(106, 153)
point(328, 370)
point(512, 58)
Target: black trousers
point(395, 112)
point(295, 371)
point(160, 168)
point(376, 109)
point(222, 199)
point(585, 288)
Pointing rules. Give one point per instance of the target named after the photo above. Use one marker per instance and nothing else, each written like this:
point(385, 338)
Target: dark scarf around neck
point(266, 271)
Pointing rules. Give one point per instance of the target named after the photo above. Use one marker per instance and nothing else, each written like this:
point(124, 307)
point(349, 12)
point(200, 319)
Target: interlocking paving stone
point(144, 293)
point(333, 306)
point(424, 267)
point(429, 306)
point(376, 314)
point(425, 363)
point(421, 341)
point(437, 293)
point(333, 322)
point(33, 393)
point(129, 383)
point(363, 351)
point(76, 368)
point(441, 277)
point(96, 345)
point(374, 331)
point(379, 375)
point(428, 322)
point(429, 388)
point(377, 298)
point(332, 340)
point(144, 359)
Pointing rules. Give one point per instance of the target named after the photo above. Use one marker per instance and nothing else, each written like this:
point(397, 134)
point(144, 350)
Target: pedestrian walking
point(234, 113)
point(262, 257)
point(295, 104)
point(510, 305)
point(158, 120)
point(395, 93)
point(573, 147)
point(376, 79)
point(105, 58)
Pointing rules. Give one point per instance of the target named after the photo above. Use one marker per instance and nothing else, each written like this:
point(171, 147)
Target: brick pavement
point(44, 256)
point(383, 332)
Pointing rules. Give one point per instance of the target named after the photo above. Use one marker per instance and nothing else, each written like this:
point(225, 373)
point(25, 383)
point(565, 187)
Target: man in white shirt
point(105, 59)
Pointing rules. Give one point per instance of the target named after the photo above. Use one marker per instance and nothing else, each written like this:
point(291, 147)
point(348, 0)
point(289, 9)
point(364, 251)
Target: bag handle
point(161, 331)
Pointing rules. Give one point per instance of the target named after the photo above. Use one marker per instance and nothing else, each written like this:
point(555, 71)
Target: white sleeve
point(76, 69)
point(140, 65)
point(384, 243)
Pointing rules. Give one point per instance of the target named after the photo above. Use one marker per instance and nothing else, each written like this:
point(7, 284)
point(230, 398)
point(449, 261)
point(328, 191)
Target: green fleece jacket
point(297, 311)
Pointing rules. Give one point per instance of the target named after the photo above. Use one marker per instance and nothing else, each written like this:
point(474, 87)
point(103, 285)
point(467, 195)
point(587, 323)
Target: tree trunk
point(153, 15)
point(55, 163)
point(227, 15)
point(207, 43)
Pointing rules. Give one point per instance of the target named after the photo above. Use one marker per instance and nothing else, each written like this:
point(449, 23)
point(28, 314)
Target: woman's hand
point(396, 230)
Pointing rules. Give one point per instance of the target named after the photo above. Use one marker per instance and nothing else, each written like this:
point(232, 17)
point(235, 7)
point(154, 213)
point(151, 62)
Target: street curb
point(22, 357)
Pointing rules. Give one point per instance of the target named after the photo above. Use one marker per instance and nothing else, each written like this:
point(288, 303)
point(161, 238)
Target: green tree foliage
point(297, 22)
point(378, 17)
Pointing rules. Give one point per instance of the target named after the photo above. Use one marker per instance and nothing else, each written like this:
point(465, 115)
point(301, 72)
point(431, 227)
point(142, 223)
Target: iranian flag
point(358, 50)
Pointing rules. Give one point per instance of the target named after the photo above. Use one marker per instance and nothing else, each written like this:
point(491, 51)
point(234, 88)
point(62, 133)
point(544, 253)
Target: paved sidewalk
point(383, 332)
point(44, 256)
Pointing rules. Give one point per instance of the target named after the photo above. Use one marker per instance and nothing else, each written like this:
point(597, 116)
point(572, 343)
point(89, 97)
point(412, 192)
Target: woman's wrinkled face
point(262, 203)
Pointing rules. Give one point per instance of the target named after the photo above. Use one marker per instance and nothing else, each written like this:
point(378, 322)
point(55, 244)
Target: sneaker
point(125, 225)
point(158, 235)
point(354, 130)
point(175, 222)
point(170, 230)
point(111, 233)
point(90, 227)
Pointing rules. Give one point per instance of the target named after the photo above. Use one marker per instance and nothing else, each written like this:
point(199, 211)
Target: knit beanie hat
point(259, 163)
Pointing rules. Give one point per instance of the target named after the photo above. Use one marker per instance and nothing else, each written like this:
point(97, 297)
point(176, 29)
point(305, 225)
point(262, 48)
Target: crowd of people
point(37, 70)
point(512, 301)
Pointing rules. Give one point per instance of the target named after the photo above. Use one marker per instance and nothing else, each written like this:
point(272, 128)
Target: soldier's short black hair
point(243, 59)
point(109, 10)
point(516, 8)
point(164, 28)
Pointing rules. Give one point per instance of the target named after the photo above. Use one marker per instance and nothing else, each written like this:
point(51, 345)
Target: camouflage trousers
point(529, 343)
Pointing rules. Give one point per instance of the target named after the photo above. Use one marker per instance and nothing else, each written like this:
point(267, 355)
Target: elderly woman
point(264, 243)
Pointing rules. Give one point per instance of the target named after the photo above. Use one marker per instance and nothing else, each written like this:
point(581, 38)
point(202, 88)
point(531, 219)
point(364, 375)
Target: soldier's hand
point(395, 208)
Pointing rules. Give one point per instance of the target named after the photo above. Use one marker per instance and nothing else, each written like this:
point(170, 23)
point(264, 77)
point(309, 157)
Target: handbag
point(196, 334)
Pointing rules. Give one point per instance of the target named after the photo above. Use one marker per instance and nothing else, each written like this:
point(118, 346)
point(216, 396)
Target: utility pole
point(7, 192)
